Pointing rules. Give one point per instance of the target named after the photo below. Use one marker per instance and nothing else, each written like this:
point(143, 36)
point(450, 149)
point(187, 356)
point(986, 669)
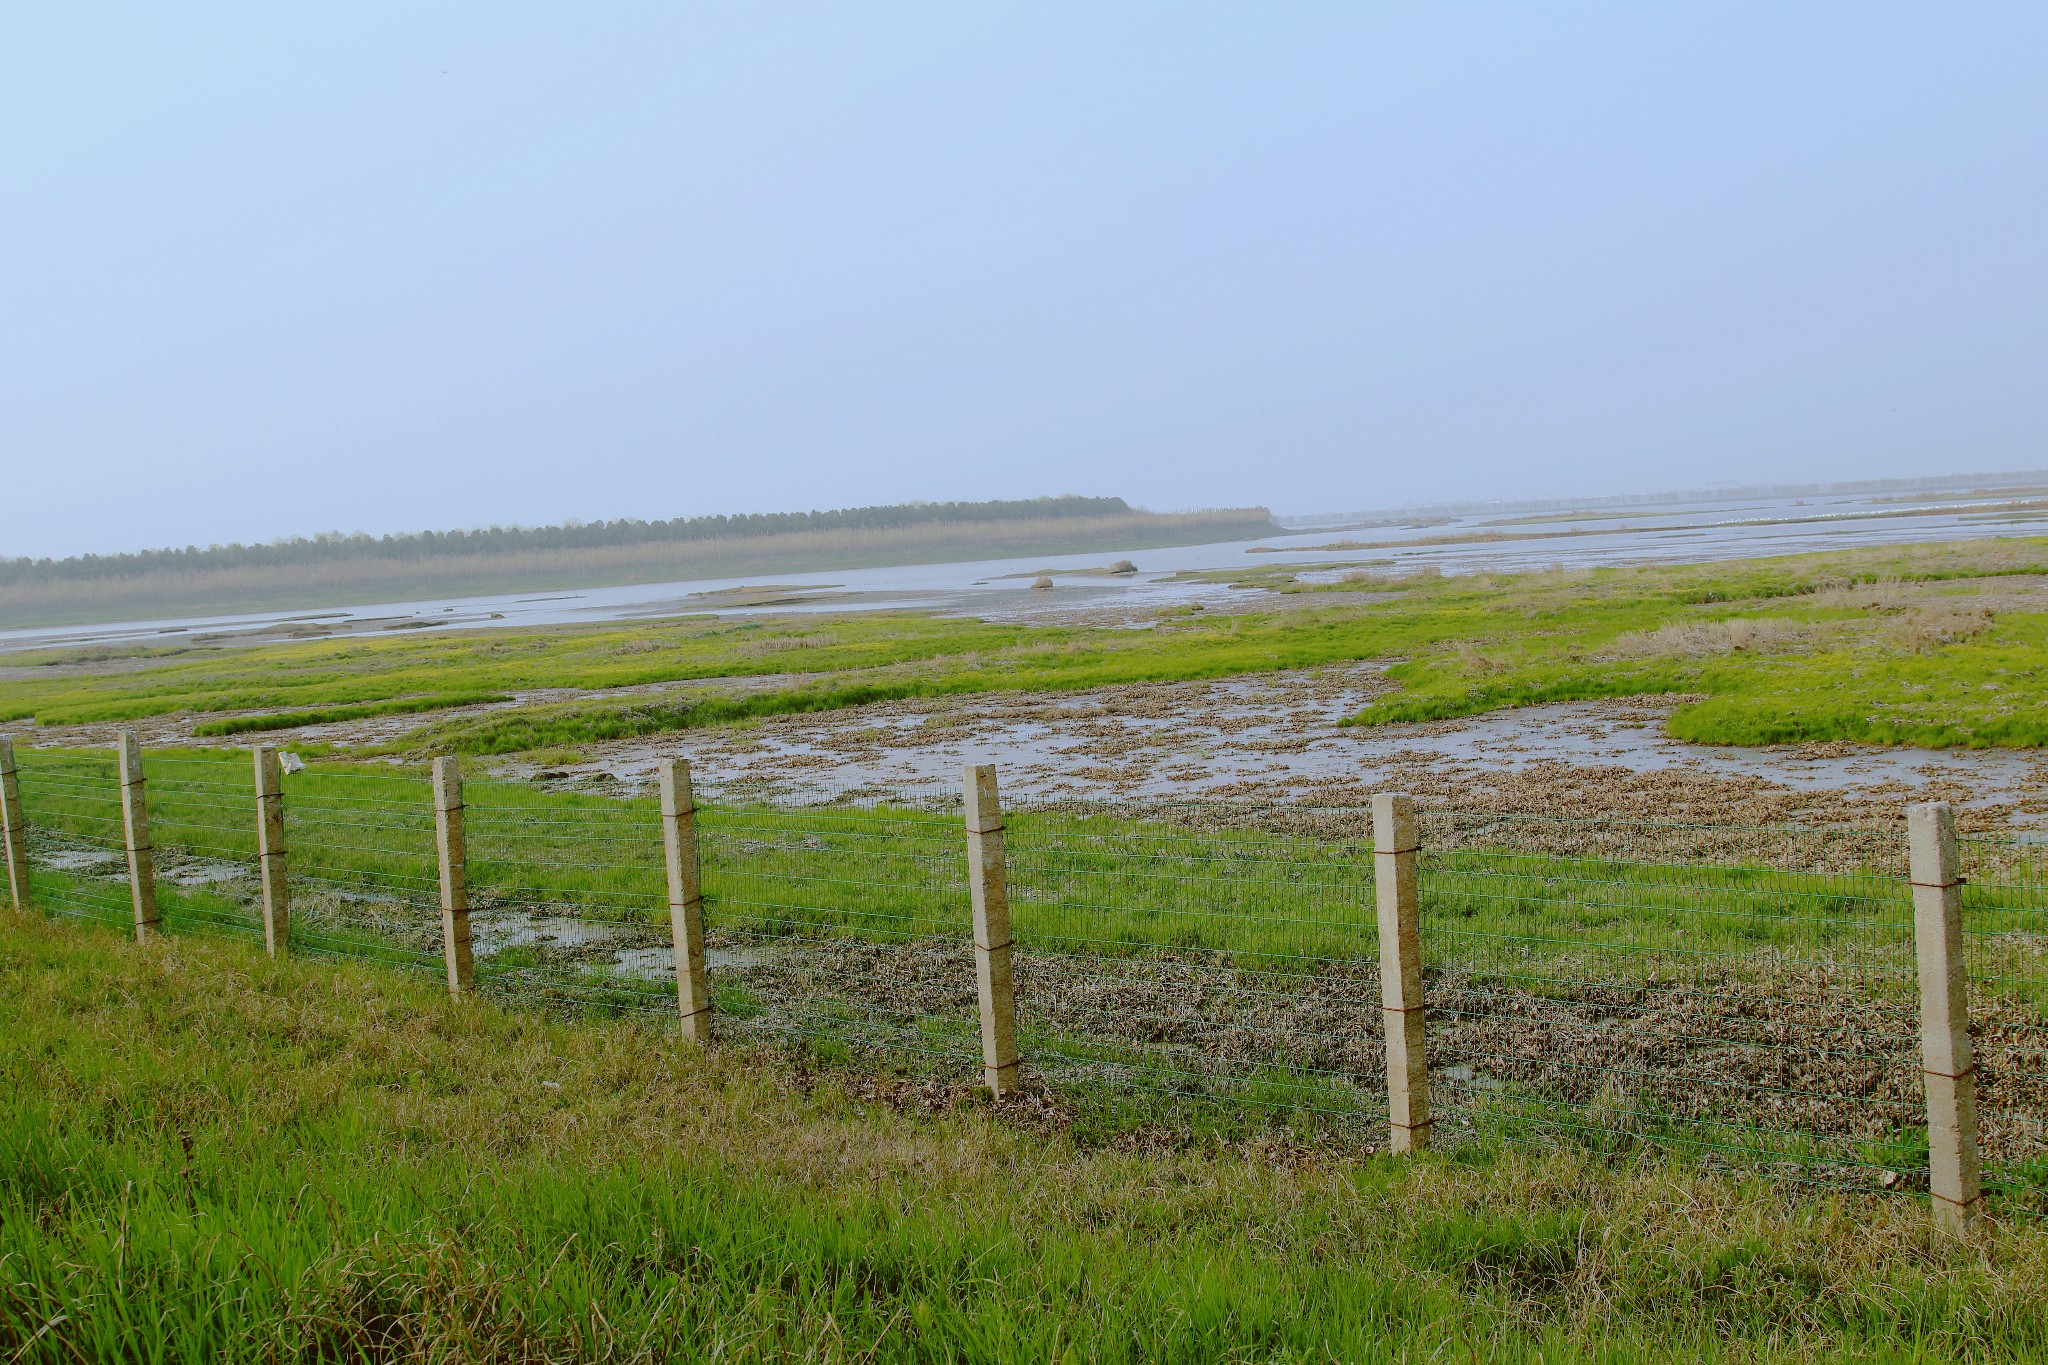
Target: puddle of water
point(79, 859)
point(647, 964)
point(497, 931)
point(206, 874)
point(1283, 738)
point(653, 964)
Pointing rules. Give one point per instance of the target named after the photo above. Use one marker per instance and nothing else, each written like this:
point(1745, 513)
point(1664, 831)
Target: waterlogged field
point(1744, 995)
point(1937, 645)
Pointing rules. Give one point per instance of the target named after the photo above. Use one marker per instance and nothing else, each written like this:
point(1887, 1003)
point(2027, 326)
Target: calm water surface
point(999, 588)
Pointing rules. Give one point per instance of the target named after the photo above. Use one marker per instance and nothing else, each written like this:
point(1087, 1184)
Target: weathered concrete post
point(135, 828)
point(989, 888)
point(13, 827)
point(1948, 1063)
point(1394, 841)
point(270, 852)
point(454, 875)
point(685, 898)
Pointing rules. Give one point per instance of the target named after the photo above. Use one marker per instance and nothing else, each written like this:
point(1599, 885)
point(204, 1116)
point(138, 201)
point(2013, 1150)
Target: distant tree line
point(335, 548)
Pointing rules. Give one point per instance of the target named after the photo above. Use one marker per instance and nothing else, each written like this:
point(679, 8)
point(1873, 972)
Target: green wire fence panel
point(2005, 947)
point(840, 914)
point(1747, 995)
point(364, 879)
point(568, 898)
point(78, 863)
point(1221, 952)
point(202, 828)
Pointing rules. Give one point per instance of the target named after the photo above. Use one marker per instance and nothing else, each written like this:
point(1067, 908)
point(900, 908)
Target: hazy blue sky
point(270, 269)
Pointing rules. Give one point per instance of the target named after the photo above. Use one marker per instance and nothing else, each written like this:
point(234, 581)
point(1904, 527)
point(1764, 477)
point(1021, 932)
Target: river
point(1711, 529)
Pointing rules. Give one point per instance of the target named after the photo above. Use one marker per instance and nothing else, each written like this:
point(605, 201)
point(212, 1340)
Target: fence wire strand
point(2005, 948)
point(1746, 995)
point(71, 805)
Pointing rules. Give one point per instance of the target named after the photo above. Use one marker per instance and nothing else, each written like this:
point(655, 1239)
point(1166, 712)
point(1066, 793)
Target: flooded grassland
point(1829, 687)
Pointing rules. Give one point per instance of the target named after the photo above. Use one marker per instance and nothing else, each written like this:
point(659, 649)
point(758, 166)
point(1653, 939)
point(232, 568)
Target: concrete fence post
point(135, 831)
point(1394, 842)
point(685, 898)
point(270, 852)
point(1948, 1063)
point(448, 844)
point(989, 889)
point(13, 827)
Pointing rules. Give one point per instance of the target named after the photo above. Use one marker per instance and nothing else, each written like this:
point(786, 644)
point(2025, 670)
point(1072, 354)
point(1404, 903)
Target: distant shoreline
point(198, 588)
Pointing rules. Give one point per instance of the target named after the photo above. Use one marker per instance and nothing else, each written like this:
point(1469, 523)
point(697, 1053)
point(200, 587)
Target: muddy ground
point(1802, 1048)
point(1274, 738)
point(1760, 1052)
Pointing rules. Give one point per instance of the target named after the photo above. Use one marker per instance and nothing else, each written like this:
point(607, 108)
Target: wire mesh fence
point(568, 902)
point(1205, 951)
point(1746, 995)
point(362, 869)
point(1743, 994)
point(71, 806)
point(2005, 944)
point(203, 845)
point(839, 914)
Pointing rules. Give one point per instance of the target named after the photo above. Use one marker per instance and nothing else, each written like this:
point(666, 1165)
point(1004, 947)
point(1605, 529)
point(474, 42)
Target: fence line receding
point(1752, 997)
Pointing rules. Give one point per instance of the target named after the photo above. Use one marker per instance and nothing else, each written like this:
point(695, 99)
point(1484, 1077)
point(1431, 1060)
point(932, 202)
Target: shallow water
point(496, 931)
point(205, 873)
point(998, 588)
point(1275, 738)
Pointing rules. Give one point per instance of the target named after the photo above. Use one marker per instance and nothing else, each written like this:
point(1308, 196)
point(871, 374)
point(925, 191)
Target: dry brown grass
point(1707, 639)
point(1926, 628)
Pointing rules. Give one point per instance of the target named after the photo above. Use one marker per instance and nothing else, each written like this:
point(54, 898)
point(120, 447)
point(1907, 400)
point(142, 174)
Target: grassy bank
point(1926, 645)
point(204, 1155)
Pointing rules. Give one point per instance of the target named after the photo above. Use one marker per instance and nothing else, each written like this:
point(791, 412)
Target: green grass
point(322, 715)
point(1936, 645)
point(893, 866)
point(206, 1155)
point(1888, 648)
point(864, 899)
